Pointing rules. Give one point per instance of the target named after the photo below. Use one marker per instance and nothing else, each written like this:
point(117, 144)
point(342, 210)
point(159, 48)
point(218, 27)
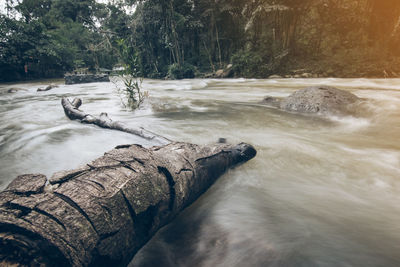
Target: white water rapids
point(322, 191)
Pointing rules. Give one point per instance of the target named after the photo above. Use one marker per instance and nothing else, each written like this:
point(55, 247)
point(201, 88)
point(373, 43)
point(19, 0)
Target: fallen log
point(72, 111)
point(102, 213)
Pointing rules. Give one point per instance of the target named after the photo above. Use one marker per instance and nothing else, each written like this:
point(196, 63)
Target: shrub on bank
point(181, 71)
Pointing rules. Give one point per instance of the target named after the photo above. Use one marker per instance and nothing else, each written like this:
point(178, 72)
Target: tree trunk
point(72, 112)
point(102, 213)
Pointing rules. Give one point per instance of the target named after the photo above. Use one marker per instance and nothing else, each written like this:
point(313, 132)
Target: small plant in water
point(131, 77)
point(134, 96)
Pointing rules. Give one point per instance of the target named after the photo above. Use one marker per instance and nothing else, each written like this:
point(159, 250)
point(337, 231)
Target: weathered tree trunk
point(102, 213)
point(72, 111)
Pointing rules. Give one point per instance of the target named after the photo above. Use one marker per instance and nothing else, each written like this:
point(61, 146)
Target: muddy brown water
point(322, 191)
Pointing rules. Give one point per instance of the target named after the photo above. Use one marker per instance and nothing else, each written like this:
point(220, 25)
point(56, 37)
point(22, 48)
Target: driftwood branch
point(102, 213)
point(72, 111)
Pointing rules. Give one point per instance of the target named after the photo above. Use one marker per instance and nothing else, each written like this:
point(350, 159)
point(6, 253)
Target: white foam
point(351, 123)
point(388, 159)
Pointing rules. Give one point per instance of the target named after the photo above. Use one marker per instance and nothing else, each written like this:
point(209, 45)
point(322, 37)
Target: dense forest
point(193, 38)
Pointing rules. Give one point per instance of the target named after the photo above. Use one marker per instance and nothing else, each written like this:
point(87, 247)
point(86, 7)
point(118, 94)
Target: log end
point(243, 152)
point(26, 249)
point(77, 102)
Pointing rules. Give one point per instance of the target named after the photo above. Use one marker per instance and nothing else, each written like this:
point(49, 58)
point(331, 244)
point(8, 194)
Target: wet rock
point(322, 99)
point(225, 73)
point(275, 76)
point(222, 140)
point(271, 101)
point(49, 87)
point(317, 99)
point(86, 78)
point(14, 90)
point(306, 75)
point(219, 73)
point(228, 72)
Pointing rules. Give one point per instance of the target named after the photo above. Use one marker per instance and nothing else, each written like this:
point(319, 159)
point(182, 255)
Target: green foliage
point(176, 38)
point(248, 63)
point(132, 76)
point(177, 71)
point(26, 44)
point(132, 91)
point(51, 37)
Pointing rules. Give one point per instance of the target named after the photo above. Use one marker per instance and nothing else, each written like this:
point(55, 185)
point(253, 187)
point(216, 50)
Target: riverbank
point(329, 67)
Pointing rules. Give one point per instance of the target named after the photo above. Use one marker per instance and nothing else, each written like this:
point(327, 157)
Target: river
point(322, 190)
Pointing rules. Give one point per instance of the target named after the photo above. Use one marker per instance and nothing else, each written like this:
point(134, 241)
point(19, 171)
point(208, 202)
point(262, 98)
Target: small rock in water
point(271, 101)
point(306, 75)
point(14, 90)
point(49, 87)
point(275, 76)
point(222, 140)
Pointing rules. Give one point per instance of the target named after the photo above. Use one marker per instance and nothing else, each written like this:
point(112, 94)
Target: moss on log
point(102, 213)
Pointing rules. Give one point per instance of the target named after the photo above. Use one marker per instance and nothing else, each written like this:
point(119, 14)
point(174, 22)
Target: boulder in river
point(85, 78)
point(316, 99)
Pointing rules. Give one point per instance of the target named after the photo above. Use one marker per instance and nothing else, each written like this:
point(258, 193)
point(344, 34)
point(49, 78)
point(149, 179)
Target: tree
point(51, 37)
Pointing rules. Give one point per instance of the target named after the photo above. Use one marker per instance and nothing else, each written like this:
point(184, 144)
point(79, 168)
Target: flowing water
point(322, 190)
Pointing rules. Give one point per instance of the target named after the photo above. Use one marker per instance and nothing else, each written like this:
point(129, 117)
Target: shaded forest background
point(191, 38)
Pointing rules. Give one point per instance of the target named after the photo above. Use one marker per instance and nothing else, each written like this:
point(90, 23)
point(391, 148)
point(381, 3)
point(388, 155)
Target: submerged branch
point(72, 111)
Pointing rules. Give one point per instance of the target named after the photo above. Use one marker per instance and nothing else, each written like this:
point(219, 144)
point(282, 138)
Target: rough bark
point(102, 213)
point(72, 111)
